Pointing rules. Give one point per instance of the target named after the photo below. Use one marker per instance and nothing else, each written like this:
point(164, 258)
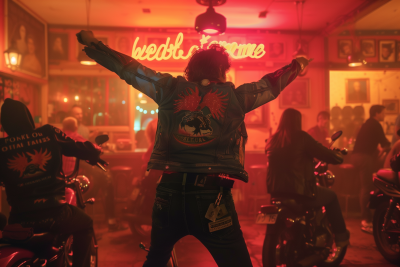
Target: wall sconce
point(13, 58)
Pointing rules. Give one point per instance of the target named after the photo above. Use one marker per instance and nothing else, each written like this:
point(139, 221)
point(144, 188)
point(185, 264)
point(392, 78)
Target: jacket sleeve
point(71, 148)
point(153, 84)
point(317, 150)
point(253, 95)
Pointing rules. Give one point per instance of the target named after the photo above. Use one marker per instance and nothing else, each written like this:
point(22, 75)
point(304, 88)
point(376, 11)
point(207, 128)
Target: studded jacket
point(200, 128)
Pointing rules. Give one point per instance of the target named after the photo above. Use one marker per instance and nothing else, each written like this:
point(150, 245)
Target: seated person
point(320, 131)
point(102, 180)
point(30, 165)
point(291, 171)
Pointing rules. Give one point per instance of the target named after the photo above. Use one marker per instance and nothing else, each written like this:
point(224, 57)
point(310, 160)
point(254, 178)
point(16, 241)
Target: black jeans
point(179, 210)
point(327, 198)
point(65, 219)
point(364, 165)
point(101, 181)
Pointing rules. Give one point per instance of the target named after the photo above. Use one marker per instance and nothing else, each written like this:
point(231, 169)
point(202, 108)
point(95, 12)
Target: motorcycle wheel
point(23, 263)
point(142, 230)
point(389, 249)
point(68, 254)
point(279, 247)
point(334, 260)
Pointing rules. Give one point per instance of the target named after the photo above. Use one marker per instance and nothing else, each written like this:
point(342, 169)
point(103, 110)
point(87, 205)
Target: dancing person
point(199, 145)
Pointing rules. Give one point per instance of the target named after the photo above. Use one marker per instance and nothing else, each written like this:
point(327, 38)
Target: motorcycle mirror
point(336, 135)
point(101, 139)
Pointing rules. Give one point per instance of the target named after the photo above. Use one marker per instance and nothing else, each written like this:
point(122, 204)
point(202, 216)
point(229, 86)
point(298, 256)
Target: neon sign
point(168, 50)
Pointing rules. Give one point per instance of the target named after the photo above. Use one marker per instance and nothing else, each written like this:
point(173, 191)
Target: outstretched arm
point(253, 95)
point(153, 84)
point(71, 148)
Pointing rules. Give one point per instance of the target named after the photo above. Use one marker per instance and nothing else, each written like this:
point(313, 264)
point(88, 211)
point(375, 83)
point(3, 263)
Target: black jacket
point(291, 169)
point(200, 128)
point(30, 159)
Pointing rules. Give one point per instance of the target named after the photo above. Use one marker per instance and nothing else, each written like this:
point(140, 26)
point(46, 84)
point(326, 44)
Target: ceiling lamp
point(300, 51)
point(356, 59)
point(210, 22)
point(12, 58)
point(82, 57)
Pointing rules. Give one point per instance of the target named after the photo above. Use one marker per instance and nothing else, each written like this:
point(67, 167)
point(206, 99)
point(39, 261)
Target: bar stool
point(122, 176)
point(258, 192)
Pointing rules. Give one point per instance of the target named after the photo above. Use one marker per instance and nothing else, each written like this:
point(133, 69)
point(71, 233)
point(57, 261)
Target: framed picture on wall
point(392, 106)
point(124, 45)
point(357, 91)
point(345, 48)
point(27, 33)
point(277, 51)
point(387, 51)
point(296, 95)
point(368, 47)
point(398, 51)
point(255, 118)
point(58, 46)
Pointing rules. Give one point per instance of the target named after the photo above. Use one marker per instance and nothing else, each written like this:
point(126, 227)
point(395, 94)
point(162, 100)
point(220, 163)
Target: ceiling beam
point(343, 21)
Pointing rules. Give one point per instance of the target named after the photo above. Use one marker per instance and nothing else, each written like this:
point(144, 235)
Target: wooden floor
point(122, 248)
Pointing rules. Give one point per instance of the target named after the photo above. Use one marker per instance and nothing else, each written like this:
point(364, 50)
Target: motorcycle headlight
point(84, 182)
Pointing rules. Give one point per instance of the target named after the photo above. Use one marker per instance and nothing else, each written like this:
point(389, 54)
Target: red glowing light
point(210, 31)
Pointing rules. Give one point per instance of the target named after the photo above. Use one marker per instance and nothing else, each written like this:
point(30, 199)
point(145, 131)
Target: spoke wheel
point(387, 243)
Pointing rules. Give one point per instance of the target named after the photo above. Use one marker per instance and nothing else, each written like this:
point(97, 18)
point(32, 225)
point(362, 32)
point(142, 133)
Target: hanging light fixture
point(12, 58)
point(356, 59)
point(300, 51)
point(82, 57)
point(210, 22)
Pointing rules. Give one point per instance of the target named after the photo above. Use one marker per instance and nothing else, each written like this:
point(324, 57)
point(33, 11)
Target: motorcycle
point(299, 236)
point(386, 220)
point(19, 247)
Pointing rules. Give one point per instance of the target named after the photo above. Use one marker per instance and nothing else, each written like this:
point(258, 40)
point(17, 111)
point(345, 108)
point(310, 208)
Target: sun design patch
point(29, 168)
point(195, 128)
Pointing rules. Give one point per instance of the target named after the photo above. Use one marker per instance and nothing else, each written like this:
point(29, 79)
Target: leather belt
point(197, 179)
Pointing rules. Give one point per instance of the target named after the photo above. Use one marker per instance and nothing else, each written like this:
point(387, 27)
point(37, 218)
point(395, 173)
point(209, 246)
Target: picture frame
point(345, 48)
point(27, 33)
point(387, 51)
point(391, 106)
point(276, 50)
point(368, 47)
point(357, 91)
point(58, 46)
point(398, 51)
point(295, 95)
point(255, 118)
point(124, 45)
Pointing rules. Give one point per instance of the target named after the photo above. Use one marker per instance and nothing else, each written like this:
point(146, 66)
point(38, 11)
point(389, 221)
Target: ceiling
point(181, 13)
point(386, 17)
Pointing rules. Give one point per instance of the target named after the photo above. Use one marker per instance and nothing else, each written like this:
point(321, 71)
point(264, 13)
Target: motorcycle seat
point(291, 203)
point(38, 239)
point(388, 175)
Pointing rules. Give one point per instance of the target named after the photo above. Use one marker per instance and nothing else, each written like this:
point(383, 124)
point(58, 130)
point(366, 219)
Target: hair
point(375, 109)
point(208, 64)
point(324, 114)
point(289, 124)
point(70, 124)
